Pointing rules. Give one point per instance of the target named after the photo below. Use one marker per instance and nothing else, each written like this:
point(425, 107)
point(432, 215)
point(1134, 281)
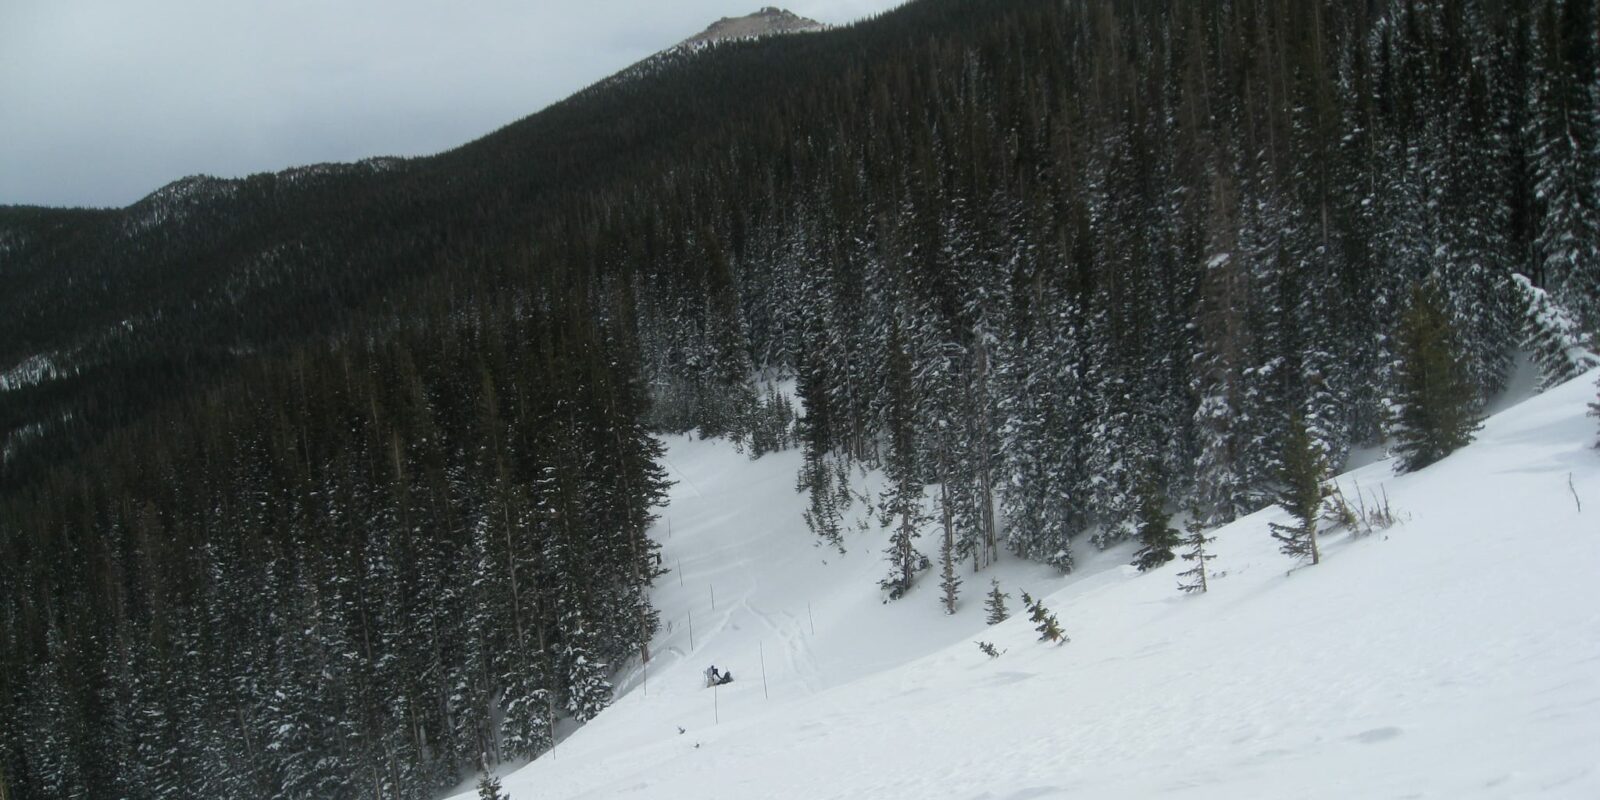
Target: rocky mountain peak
point(769, 21)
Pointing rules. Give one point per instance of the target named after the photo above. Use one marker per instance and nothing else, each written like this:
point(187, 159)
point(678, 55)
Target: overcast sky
point(104, 101)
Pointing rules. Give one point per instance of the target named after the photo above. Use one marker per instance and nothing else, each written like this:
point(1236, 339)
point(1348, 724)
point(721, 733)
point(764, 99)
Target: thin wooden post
point(761, 648)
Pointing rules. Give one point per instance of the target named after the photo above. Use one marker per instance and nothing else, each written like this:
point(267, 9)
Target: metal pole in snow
point(680, 572)
point(812, 619)
point(691, 630)
point(716, 712)
point(713, 597)
point(761, 648)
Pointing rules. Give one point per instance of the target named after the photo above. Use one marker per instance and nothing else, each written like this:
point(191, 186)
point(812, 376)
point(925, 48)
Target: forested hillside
point(334, 482)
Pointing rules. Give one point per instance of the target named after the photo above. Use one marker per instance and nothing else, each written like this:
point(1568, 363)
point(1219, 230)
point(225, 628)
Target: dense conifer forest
point(335, 482)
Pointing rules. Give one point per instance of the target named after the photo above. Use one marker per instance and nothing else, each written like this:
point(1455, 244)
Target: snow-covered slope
point(1456, 654)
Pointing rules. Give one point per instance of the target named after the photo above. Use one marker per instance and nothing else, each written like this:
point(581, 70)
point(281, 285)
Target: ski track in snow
point(1454, 655)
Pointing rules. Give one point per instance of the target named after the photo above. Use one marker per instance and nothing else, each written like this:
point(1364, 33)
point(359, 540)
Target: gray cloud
point(103, 101)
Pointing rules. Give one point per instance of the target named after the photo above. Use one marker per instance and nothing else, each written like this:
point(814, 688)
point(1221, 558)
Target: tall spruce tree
point(1565, 119)
point(1153, 526)
point(949, 582)
point(1300, 493)
point(901, 504)
point(1438, 406)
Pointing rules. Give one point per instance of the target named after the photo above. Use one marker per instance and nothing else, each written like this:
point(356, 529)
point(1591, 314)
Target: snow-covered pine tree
point(1565, 137)
point(1194, 579)
point(824, 511)
point(1045, 404)
point(1153, 527)
point(900, 505)
point(1218, 380)
point(1116, 448)
point(948, 453)
point(770, 419)
point(469, 695)
point(1300, 494)
point(1558, 343)
point(587, 680)
point(987, 306)
point(823, 515)
point(1438, 406)
point(489, 788)
point(949, 583)
point(995, 605)
point(525, 726)
point(814, 379)
point(57, 766)
point(727, 396)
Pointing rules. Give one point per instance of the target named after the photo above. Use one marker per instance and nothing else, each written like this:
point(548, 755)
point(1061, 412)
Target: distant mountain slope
point(1449, 655)
point(208, 270)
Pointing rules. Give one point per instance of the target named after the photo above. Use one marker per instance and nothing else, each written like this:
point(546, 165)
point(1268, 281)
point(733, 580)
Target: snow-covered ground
point(1456, 654)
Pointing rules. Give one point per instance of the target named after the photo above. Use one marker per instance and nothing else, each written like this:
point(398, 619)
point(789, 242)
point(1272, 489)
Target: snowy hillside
point(1456, 654)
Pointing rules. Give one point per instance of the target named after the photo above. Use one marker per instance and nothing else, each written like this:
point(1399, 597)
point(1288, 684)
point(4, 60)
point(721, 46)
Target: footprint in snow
point(1004, 678)
point(1034, 791)
point(1377, 735)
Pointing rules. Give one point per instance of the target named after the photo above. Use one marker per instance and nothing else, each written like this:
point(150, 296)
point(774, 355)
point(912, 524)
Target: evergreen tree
point(949, 583)
point(1044, 490)
point(1044, 621)
point(1153, 527)
point(1559, 345)
point(995, 605)
point(1565, 120)
point(901, 508)
point(824, 514)
point(489, 787)
point(1220, 480)
point(1194, 579)
point(1438, 408)
point(1300, 493)
point(726, 396)
point(588, 687)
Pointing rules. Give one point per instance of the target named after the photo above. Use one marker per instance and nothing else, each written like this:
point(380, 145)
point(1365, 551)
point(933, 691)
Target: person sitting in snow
point(713, 677)
point(727, 677)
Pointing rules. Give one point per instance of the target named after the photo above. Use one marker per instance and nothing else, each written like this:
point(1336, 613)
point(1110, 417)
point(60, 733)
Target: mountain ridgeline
point(335, 482)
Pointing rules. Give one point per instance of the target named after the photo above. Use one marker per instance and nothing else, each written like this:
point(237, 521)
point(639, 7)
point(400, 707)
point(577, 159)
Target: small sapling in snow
point(996, 604)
